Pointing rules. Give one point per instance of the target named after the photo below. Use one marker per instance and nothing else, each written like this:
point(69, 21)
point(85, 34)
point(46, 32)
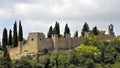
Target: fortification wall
point(62, 43)
point(75, 42)
point(48, 43)
point(14, 51)
point(106, 37)
point(45, 43)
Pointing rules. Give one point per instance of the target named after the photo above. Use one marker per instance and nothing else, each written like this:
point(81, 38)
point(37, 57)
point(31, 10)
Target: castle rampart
point(38, 42)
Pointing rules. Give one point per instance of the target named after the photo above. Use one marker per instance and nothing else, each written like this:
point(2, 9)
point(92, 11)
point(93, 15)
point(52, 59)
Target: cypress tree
point(10, 37)
point(20, 32)
point(15, 38)
point(50, 32)
point(67, 30)
point(56, 29)
point(4, 38)
point(95, 31)
point(6, 59)
point(76, 34)
point(85, 28)
point(0, 46)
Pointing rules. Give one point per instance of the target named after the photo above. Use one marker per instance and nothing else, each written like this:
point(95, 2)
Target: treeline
point(10, 40)
point(85, 28)
point(92, 53)
point(14, 36)
point(56, 30)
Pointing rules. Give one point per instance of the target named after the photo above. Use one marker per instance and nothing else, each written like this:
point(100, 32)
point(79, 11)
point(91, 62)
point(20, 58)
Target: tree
point(85, 28)
point(5, 59)
point(20, 32)
point(76, 34)
point(0, 46)
point(50, 32)
point(15, 37)
point(4, 38)
point(10, 37)
point(56, 29)
point(67, 30)
point(95, 31)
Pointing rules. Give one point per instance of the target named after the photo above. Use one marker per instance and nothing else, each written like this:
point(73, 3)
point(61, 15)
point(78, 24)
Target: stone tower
point(55, 41)
point(110, 30)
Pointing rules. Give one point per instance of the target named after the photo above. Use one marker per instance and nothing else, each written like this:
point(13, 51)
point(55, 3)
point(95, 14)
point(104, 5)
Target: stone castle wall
point(37, 42)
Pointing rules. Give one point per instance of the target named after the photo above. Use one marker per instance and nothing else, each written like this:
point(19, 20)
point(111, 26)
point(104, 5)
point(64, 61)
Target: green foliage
point(95, 31)
point(59, 59)
point(10, 37)
point(116, 65)
point(4, 38)
point(76, 34)
point(92, 40)
point(89, 50)
point(85, 28)
point(0, 46)
point(56, 29)
point(5, 61)
point(101, 32)
point(67, 30)
point(15, 37)
point(20, 32)
point(50, 32)
point(92, 53)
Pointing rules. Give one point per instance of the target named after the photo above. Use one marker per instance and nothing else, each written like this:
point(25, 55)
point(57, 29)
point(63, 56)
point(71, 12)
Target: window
point(32, 39)
point(40, 39)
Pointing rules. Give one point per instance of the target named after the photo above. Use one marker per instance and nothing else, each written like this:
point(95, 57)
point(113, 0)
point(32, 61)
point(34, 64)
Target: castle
point(37, 42)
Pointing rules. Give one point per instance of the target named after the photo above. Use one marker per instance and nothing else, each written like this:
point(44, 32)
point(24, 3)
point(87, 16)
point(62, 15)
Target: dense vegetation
point(92, 53)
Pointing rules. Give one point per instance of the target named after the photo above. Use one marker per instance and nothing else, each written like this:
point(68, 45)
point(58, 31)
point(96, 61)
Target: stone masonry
point(37, 42)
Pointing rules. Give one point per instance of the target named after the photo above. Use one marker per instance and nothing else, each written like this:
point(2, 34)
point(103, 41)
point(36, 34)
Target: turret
point(110, 30)
point(55, 41)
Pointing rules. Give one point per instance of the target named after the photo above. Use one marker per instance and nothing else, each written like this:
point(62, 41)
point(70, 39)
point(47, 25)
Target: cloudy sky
point(38, 15)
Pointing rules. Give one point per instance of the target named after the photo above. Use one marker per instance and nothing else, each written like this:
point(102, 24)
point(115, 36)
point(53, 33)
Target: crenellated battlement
point(38, 42)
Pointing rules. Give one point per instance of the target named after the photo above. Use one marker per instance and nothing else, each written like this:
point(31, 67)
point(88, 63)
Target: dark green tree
point(95, 31)
point(4, 38)
point(0, 46)
point(15, 37)
point(56, 29)
point(6, 61)
point(67, 30)
point(85, 28)
point(50, 32)
point(20, 32)
point(10, 37)
point(76, 34)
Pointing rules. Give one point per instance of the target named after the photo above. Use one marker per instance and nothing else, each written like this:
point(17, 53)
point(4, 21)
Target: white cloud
point(38, 15)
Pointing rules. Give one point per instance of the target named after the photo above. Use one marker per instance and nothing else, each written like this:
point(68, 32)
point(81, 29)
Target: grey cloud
point(74, 12)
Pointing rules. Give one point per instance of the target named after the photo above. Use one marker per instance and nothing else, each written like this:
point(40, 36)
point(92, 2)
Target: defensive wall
point(37, 42)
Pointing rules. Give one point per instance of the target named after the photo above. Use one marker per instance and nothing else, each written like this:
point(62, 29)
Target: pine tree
point(10, 37)
point(20, 32)
point(95, 31)
point(85, 28)
point(15, 38)
point(50, 32)
point(4, 38)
